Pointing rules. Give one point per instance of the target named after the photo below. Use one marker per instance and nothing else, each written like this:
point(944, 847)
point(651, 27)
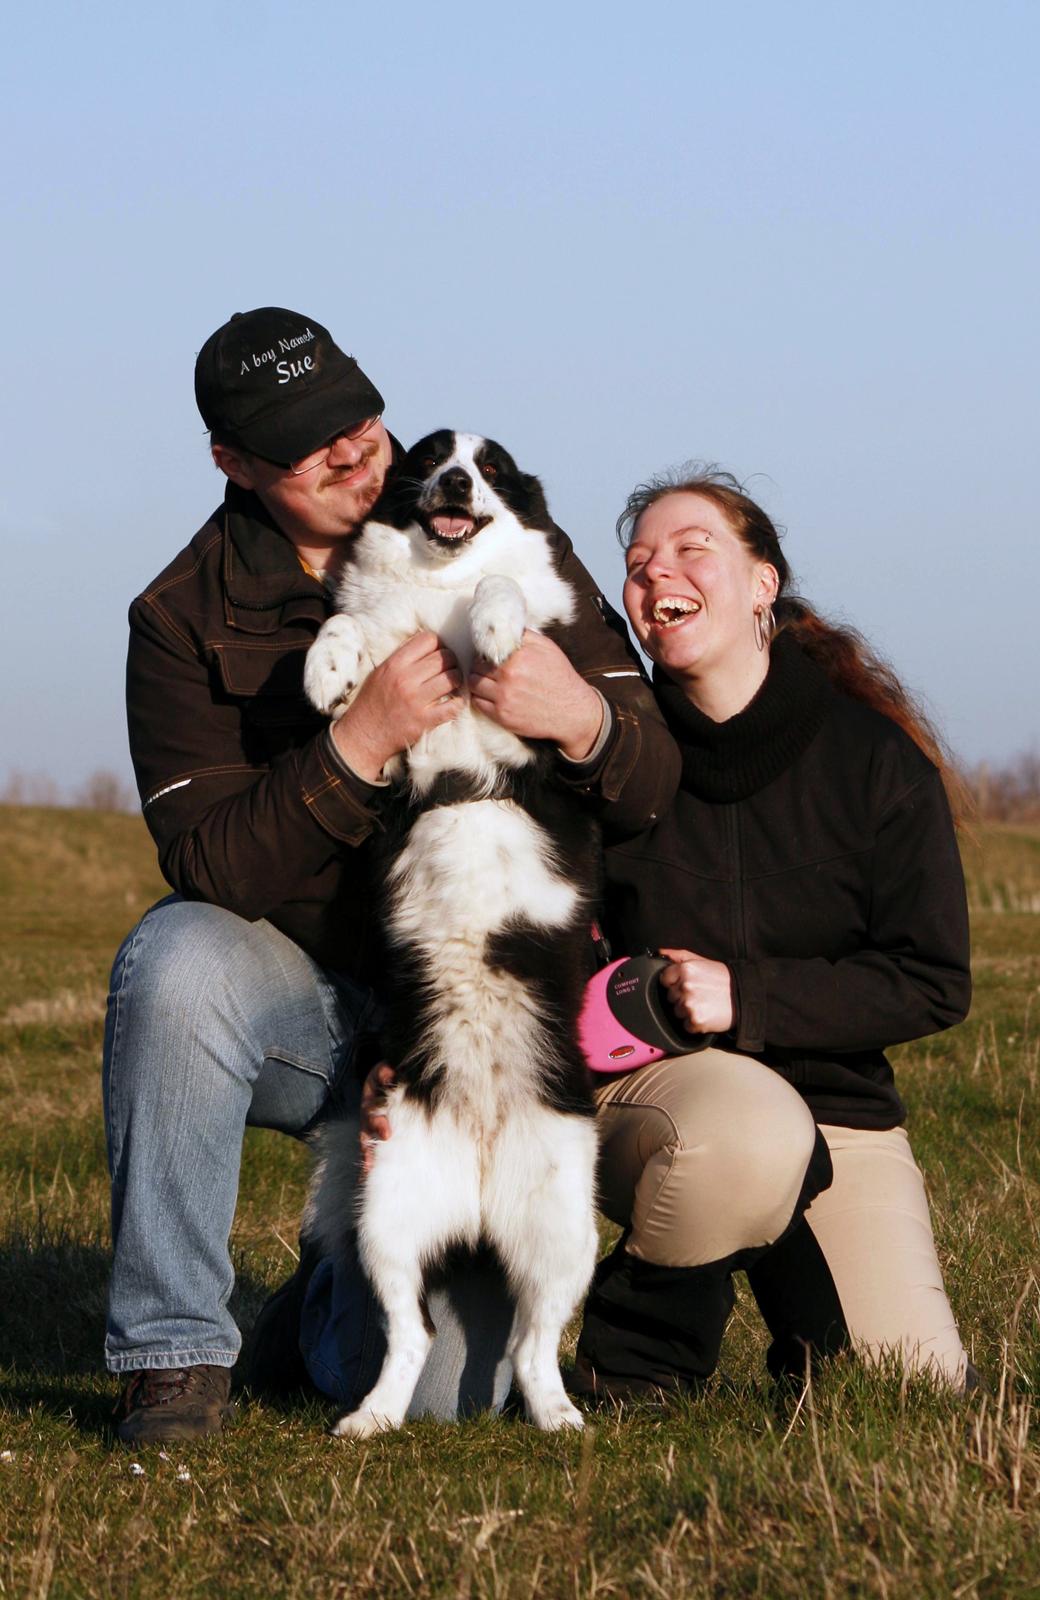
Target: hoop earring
point(765, 626)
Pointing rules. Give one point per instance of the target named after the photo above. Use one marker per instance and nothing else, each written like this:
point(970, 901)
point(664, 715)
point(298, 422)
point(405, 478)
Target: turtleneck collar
point(727, 761)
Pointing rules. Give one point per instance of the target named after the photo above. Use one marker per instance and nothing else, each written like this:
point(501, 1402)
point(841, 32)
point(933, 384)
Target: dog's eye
point(427, 465)
point(489, 471)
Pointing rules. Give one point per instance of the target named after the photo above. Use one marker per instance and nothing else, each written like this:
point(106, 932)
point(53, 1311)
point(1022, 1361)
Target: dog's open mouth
point(451, 525)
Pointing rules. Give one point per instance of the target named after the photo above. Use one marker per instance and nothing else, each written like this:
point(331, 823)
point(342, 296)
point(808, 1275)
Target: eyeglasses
point(318, 458)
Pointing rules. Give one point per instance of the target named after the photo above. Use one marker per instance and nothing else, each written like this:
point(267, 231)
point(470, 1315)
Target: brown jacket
point(248, 806)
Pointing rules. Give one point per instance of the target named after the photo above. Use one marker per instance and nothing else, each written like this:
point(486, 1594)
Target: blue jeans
point(214, 1024)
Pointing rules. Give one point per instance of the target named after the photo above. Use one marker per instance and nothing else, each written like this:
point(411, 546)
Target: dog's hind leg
point(539, 1212)
point(421, 1195)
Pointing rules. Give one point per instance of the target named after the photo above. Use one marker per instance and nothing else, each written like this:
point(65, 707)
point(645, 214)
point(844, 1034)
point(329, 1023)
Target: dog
point(489, 879)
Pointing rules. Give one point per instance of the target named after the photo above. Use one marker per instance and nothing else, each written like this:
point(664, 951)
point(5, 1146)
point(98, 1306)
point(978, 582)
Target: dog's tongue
point(451, 527)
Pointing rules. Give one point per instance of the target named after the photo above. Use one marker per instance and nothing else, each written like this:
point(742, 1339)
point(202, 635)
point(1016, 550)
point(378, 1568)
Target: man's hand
point(375, 1124)
point(537, 694)
point(699, 991)
point(412, 691)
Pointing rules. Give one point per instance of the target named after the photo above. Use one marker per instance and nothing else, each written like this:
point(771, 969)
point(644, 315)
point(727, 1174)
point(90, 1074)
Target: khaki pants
point(704, 1155)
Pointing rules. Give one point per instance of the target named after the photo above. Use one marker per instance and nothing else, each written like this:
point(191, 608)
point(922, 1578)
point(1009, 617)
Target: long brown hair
point(853, 666)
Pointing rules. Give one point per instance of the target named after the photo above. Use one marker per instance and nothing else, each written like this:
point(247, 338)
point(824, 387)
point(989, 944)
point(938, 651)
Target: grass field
point(869, 1487)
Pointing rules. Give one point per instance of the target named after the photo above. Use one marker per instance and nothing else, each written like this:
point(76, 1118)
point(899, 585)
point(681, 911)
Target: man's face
point(328, 502)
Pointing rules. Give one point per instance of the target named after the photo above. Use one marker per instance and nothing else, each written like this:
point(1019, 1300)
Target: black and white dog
point(488, 886)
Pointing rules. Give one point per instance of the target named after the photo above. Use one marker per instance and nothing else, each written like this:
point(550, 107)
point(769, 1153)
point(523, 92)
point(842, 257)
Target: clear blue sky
point(800, 239)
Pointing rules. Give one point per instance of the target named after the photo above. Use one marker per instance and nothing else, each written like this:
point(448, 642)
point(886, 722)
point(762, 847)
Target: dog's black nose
point(455, 482)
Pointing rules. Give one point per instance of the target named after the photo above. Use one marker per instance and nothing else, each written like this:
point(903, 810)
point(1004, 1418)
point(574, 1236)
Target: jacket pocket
point(267, 682)
point(262, 671)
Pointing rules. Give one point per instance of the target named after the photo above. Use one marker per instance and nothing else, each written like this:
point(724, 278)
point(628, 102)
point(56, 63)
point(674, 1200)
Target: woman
point(806, 888)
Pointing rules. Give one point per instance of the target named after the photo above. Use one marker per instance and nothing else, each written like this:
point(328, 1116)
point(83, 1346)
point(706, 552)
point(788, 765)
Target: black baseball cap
point(278, 384)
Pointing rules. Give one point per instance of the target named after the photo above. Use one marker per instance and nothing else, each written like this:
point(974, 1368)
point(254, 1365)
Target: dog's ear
point(536, 508)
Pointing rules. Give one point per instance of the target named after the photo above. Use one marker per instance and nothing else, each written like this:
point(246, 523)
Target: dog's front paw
point(361, 1424)
point(498, 617)
point(333, 669)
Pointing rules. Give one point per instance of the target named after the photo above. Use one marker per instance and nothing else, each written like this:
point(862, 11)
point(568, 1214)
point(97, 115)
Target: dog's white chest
point(478, 603)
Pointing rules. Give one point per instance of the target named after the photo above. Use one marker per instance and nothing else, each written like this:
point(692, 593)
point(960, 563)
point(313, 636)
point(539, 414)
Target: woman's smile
point(673, 611)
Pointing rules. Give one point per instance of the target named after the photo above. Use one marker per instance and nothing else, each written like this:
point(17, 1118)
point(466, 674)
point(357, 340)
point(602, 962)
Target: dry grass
point(1004, 869)
point(867, 1485)
point(64, 1009)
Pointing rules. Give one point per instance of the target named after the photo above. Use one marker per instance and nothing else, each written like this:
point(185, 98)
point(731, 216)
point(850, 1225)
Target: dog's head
point(453, 485)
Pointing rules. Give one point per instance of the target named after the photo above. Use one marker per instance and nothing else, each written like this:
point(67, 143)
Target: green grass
point(868, 1486)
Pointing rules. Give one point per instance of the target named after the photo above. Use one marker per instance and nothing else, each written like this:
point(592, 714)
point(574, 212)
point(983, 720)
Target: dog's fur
point(489, 875)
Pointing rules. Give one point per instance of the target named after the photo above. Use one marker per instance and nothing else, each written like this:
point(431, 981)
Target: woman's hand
point(537, 694)
point(699, 990)
point(375, 1124)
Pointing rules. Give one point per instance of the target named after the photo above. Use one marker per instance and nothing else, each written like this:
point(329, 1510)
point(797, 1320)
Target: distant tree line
point(103, 790)
point(1007, 793)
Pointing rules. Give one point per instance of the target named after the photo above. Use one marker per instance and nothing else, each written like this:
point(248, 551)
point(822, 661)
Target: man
point(242, 997)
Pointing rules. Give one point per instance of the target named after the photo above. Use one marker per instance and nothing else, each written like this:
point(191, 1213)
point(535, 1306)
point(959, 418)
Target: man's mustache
point(339, 473)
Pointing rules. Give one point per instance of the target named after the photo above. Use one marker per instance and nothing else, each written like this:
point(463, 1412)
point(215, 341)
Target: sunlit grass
point(866, 1485)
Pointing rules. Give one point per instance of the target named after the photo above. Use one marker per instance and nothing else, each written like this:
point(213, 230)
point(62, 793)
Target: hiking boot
point(596, 1388)
point(650, 1329)
point(167, 1403)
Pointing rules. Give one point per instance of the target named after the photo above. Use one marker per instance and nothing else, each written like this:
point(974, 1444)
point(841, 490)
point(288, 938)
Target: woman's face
point(693, 586)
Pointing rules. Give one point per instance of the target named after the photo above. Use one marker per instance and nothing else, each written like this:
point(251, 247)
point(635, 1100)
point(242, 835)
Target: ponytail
point(855, 668)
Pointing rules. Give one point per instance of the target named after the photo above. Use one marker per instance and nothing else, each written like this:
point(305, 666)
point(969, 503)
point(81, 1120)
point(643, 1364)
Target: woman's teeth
point(673, 609)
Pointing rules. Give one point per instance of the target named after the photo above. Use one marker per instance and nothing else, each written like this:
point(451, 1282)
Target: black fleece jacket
point(810, 848)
